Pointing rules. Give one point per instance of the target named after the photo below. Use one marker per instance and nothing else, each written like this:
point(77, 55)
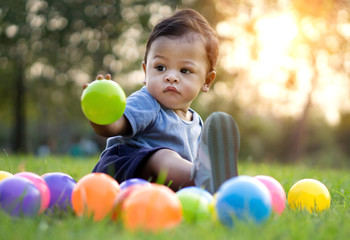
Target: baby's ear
point(144, 70)
point(209, 80)
point(144, 66)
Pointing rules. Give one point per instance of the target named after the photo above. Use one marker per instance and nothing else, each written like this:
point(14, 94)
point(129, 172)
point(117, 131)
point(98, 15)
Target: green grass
point(330, 224)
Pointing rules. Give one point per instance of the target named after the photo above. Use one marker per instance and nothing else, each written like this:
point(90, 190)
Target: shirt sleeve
point(141, 110)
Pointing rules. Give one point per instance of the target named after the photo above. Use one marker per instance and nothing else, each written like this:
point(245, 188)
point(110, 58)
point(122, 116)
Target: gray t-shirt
point(154, 125)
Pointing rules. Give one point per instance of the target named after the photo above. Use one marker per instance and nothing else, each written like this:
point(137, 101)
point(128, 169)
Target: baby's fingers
point(85, 85)
point(99, 77)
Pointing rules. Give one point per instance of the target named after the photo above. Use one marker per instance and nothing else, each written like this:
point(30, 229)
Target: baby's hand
point(108, 76)
point(99, 77)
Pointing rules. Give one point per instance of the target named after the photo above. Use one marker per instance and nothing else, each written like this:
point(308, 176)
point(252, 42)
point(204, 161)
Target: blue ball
point(244, 198)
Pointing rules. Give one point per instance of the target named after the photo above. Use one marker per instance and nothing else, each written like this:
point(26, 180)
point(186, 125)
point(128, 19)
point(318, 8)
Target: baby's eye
point(185, 71)
point(160, 68)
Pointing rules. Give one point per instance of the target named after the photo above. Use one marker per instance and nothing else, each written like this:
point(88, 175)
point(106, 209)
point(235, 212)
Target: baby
point(159, 132)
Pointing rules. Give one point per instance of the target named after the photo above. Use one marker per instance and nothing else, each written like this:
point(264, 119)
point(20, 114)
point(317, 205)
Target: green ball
point(195, 207)
point(103, 101)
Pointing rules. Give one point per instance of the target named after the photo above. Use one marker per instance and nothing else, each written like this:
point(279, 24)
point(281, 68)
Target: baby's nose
point(172, 78)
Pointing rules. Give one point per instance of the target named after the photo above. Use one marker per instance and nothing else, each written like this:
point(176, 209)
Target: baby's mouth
point(171, 89)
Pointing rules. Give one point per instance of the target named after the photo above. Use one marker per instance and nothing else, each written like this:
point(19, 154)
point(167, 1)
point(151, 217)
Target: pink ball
point(278, 195)
point(41, 185)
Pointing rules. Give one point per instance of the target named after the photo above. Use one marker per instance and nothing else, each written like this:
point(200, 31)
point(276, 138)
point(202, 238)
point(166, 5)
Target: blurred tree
point(49, 49)
point(327, 41)
point(283, 57)
point(343, 133)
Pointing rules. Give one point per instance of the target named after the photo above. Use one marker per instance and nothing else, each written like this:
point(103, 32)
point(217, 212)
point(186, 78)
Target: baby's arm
point(120, 127)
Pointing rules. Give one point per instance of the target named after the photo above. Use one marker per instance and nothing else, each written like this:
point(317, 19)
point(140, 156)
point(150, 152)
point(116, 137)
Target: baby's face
point(176, 71)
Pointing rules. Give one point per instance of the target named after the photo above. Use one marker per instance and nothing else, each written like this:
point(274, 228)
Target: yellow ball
point(310, 195)
point(4, 174)
point(212, 208)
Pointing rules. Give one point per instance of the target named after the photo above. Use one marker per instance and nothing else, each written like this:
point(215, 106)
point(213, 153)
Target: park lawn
point(330, 224)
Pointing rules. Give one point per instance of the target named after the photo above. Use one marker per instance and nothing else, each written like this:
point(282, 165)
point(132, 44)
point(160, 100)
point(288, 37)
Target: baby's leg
point(177, 169)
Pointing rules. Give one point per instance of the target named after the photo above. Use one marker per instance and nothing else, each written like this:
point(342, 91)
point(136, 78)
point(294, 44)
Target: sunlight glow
point(275, 35)
point(277, 32)
point(276, 64)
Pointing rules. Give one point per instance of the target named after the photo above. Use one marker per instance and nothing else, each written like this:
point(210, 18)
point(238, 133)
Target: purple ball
point(19, 197)
point(61, 187)
point(133, 181)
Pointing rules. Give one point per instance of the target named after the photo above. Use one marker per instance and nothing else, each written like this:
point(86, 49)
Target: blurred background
point(283, 72)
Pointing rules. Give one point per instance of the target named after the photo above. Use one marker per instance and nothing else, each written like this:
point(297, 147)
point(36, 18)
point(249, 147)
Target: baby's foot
point(218, 152)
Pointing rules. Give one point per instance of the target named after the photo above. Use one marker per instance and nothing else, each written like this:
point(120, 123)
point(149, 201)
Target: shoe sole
point(223, 144)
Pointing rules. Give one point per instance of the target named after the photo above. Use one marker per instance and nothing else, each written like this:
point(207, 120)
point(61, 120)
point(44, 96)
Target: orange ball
point(94, 195)
point(152, 208)
point(121, 198)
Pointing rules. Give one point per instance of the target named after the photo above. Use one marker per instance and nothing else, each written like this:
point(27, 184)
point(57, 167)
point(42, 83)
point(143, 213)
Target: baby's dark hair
point(184, 22)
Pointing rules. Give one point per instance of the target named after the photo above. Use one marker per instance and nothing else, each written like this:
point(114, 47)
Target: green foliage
point(53, 47)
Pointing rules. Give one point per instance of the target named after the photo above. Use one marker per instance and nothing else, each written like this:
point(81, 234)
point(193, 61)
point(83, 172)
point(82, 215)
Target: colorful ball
point(122, 196)
point(61, 186)
point(212, 208)
point(245, 198)
point(133, 181)
point(103, 101)
point(195, 205)
point(19, 197)
point(4, 174)
point(94, 195)
point(204, 193)
point(278, 195)
point(310, 195)
point(41, 185)
point(153, 208)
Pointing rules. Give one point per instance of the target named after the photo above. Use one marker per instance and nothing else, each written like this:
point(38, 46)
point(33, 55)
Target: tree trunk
point(19, 129)
point(296, 143)
point(297, 140)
